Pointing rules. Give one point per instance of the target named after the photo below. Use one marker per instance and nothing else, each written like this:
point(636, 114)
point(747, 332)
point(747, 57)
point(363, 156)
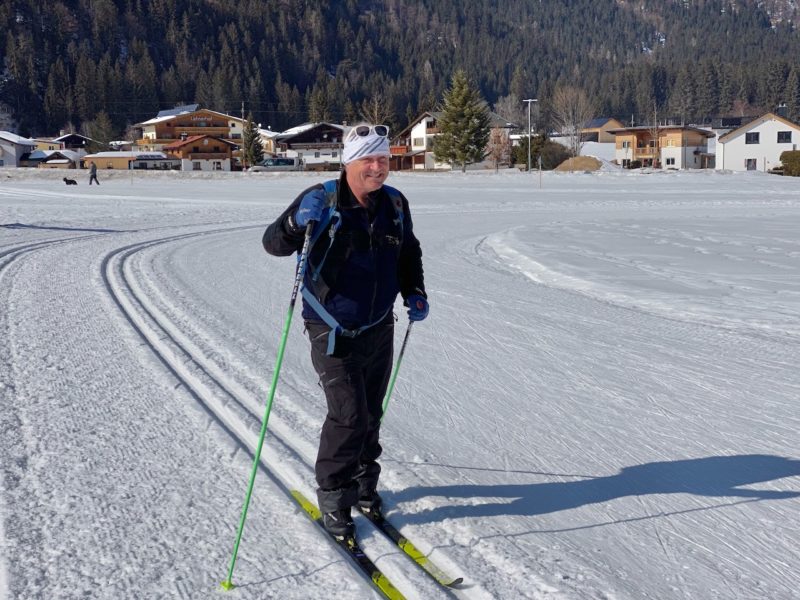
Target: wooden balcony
point(203, 156)
point(399, 150)
point(190, 131)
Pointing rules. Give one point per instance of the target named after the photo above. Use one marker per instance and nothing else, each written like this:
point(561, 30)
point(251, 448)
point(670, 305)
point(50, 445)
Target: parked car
point(277, 164)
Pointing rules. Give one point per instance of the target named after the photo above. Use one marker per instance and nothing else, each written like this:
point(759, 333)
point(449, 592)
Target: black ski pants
point(354, 379)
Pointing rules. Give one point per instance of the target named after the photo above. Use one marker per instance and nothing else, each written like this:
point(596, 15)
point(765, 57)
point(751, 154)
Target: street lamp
point(529, 101)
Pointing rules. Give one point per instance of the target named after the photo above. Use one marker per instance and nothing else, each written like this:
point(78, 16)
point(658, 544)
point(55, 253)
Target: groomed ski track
point(234, 401)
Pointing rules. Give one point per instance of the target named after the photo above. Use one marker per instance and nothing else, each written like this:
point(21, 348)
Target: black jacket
point(373, 257)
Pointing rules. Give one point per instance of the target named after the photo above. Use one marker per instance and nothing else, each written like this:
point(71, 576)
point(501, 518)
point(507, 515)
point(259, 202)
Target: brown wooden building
point(202, 153)
point(171, 126)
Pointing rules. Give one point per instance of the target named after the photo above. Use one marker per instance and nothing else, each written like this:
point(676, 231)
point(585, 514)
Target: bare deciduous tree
point(571, 109)
point(376, 110)
point(512, 108)
point(499, 147)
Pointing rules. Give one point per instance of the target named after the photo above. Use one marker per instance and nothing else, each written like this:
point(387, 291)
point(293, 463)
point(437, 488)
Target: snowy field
point(603, 404)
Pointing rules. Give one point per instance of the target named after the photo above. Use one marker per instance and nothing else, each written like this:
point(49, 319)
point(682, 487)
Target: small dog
point(69, 181)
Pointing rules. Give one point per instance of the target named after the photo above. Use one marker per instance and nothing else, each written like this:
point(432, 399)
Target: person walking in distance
point(363, 254)
point(93, 174)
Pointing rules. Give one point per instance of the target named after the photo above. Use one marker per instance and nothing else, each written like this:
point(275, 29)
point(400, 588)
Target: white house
point(757, 146)
point(412, 148)
point(13, 147)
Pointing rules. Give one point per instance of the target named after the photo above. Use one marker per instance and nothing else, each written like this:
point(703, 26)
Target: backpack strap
point(336, 328)
point(397, 201)
point(330, 215)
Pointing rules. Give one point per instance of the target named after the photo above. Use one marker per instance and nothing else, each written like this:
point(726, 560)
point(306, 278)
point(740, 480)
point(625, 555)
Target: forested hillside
point(68, 61)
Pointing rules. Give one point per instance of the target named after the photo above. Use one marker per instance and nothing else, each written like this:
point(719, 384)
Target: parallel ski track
point(11, 253)
point(287, 466)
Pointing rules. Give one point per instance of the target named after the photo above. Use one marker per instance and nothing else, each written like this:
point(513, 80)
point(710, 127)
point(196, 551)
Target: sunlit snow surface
point(604, 402)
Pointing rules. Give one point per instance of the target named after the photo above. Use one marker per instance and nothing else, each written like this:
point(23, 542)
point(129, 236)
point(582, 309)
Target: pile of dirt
point(580, 163)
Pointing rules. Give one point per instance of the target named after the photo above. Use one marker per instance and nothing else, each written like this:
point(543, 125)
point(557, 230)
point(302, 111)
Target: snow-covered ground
point(604, 402)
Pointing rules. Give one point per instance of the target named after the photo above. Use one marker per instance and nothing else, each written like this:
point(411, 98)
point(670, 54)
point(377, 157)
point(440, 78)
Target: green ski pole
point(396, 369)
point(298, 279)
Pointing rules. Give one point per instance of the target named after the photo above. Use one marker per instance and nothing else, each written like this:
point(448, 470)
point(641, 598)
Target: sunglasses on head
point(365, 130)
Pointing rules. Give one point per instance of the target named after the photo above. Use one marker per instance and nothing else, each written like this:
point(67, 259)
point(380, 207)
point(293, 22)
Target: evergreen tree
point(252, 149)
point(100, 130)
point(683, 99)
point(464, 124)
point(793, 95)
point(725, 89)
point(774, 84)
point(57, 99)
point(85, 89)
point(707, 91)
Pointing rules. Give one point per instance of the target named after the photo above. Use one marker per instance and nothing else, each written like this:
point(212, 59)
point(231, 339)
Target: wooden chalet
point(202, 153)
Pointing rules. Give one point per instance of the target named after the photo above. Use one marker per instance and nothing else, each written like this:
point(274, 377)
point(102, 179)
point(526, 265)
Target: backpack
point(331, 216)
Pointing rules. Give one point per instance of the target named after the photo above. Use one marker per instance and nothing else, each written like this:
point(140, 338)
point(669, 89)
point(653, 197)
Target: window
point(418, 142)
point(196, 166)
point(751, 138)
point(751, 164)
point(784, 137)
point(316, 154)
point(670, 162)
point(334, 154)
point(626, 144)
point(217, 165)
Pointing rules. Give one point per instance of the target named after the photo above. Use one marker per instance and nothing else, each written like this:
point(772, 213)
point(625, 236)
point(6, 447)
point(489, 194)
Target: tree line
point(102, 65)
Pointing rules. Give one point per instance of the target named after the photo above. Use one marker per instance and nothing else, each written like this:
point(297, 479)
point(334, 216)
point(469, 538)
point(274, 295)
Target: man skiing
point(363, 254)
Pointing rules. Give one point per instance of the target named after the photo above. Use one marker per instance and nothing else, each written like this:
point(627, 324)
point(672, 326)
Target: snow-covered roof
point(61, 138)
point(155, 120)
point(298, 129)
point(16, 139)
point(47, 154)
point(167, 115)
point(755, 123)
point(128, 154)
point(699, 130)
point(178, 110)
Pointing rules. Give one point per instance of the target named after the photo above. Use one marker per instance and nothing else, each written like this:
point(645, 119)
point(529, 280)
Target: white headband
point(356, 146)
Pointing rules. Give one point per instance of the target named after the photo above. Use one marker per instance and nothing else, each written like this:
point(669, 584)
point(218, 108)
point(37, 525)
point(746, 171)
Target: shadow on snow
point(715, 476)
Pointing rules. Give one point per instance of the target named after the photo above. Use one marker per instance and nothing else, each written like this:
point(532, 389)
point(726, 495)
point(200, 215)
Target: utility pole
point(529, 101)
